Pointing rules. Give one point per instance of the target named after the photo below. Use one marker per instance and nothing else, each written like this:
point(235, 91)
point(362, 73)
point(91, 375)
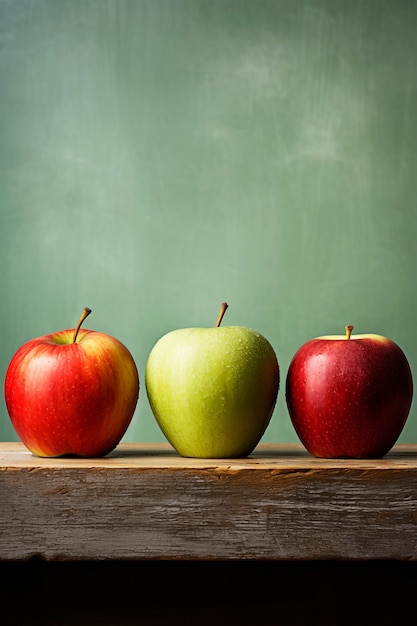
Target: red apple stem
point(222, 312)
point(86, 312)
point(348, 331)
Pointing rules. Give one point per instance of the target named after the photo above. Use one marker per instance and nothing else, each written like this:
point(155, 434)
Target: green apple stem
point(222, 312)
point(348, 331)
point(86, 312)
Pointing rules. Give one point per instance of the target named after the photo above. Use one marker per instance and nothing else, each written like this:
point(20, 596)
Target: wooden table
point(147, 537)
point(144, 502)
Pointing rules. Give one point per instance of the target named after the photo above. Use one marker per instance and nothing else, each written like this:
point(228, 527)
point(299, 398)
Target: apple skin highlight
point(349, 397)
point(67, 398)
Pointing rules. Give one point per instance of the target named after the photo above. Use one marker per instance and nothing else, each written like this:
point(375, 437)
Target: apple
point(72, 392)
point(212, 390)
point(349, 396)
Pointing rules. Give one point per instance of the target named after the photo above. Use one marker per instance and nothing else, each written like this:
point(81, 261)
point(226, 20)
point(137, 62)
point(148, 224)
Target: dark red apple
point(349, 396)
point(72, 392)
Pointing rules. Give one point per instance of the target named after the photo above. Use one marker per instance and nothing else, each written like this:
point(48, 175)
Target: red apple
point(72, 392)
point(349, 396)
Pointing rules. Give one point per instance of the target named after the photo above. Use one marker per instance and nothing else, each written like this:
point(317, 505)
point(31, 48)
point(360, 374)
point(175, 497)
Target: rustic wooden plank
point(145, 502)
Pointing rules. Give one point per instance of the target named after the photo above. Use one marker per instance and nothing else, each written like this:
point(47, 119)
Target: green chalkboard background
point(160, 156)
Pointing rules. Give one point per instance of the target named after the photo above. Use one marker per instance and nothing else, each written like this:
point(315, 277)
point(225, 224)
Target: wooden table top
point(163, 456)
point(145, 502)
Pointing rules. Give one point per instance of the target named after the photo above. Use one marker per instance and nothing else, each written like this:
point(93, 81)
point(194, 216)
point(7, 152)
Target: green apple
point(213, 390)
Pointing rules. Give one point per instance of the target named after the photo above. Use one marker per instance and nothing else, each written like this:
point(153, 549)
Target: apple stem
point(222, 312)
point(86, 312)
point(348, 331)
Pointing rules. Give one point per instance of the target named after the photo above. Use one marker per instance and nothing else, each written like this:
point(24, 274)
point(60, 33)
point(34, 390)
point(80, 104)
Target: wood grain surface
point(144, 501)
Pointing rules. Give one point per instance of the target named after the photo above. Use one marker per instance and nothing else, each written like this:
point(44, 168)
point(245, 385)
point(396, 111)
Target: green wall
point(160, 156)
